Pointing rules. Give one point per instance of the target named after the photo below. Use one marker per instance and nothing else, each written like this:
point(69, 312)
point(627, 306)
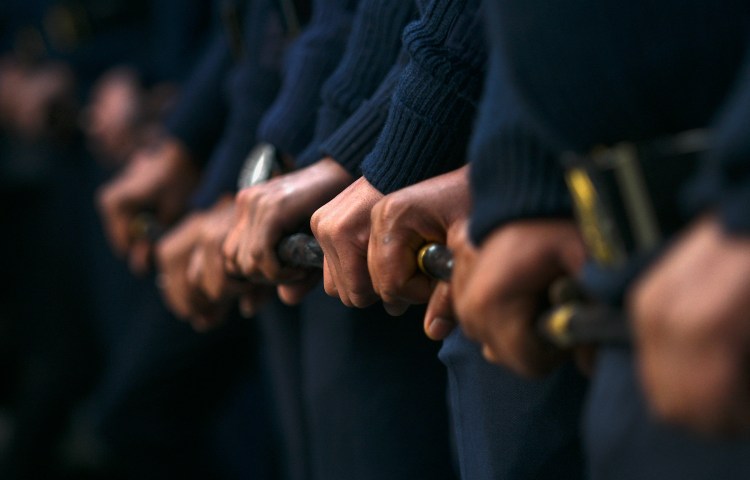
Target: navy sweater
point(602, 71)
point(513, 175)
point(371, 51)
point(198, 117)
point(290, 122)
point(597, 72)
point(249, 88)
point(434, 103)
point(356, 137)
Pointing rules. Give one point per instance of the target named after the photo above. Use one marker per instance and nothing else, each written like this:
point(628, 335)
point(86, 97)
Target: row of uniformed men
point(372, 114)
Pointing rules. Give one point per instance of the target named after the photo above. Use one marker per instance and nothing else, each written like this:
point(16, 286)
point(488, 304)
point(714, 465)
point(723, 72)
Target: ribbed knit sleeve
point(356, 137)
point(433, 106)
point(290, 123)
point(512, 173)
point(723, 184)
point(371, 51)
point(251, 87)
point(198, 117)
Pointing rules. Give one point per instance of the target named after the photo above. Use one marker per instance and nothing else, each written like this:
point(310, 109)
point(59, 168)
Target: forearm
point(433, 106)
point(356, 137)
point(198, 117)
point(372, 49)
point(289, 124)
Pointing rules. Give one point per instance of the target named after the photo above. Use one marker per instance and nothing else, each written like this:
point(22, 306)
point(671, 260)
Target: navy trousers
point(623, 441)
point(507, 427)
point(162, 404)
point(371, 391)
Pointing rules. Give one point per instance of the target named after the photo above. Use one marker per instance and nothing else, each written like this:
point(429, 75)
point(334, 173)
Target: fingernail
point(440, 328)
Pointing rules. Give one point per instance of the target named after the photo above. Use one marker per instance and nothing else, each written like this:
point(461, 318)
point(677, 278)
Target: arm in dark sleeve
point(356, 137)
point(723, 182)
point(433, 106)
point(197, 119)
point(513, 175)
point(371, 51)
point(253, 84)
point(290, 122)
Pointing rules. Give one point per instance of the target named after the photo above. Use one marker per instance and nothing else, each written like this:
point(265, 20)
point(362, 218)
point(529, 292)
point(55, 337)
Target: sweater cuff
point(514, 177)
point(289, 123)
point(426, 133)
point(329, 119)
point(351, 143)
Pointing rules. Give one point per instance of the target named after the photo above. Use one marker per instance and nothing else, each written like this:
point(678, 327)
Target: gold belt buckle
point(604, 241)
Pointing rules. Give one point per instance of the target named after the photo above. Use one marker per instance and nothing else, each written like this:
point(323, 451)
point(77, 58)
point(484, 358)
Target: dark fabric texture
point(356, 137)
point(199, 115)
point(508, 427)
point(723, 183)
point(649, 73)
point(623, 441)
point(280, 344)
point(250, 88)
point(290, 122)
point(433, 106)
point(374, 393)
point(371, 51)
point(512, 174)
point(598, 72)
point(157, 400)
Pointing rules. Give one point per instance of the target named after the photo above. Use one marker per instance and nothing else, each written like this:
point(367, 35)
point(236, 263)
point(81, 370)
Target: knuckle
point(360, 293)
point(227, 250)
point(390, 297)
point(256, 254)
point(668, 410)
point(246, 197)
point(378, 212)
point(361, 296)
point(315, 220)
point(324, 230)
point(392, 208)
point(392, 288)
point(266, 201)
point(339, 230)
point(330, 289)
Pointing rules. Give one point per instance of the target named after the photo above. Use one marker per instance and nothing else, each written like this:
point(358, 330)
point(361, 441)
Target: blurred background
point(96, 379)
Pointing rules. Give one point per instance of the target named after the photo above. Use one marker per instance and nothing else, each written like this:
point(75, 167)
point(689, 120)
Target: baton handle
point(436, 261)
point(572, 321)
point(301, 251)
point(574, 324)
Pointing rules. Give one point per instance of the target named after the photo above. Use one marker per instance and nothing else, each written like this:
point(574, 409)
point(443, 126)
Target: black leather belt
point(626, 197)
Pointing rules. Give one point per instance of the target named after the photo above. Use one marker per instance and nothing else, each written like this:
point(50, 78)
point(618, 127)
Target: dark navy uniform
point(598, 73)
